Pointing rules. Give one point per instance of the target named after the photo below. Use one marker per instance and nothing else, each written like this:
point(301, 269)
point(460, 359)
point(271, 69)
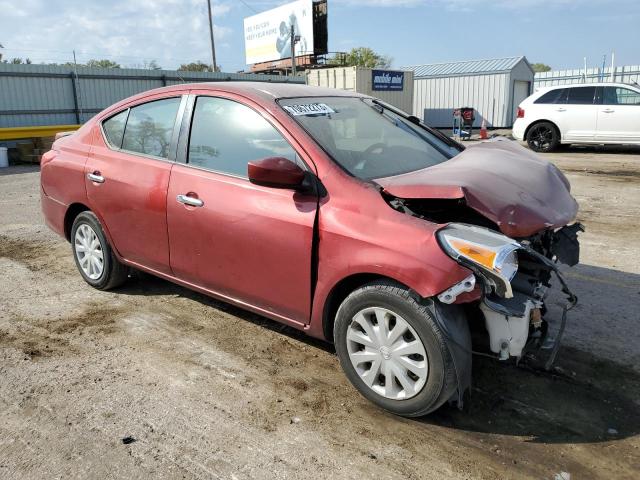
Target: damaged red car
point(329, 211)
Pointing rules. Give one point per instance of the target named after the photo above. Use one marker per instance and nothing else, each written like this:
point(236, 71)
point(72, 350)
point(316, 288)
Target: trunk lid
point(511, 186)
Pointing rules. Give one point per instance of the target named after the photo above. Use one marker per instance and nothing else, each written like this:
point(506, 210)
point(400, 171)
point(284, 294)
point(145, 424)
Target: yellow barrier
point(17, 133)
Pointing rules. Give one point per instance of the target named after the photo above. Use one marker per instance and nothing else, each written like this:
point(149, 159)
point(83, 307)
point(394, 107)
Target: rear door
point(579, 115)
point(127, 176)
point(619, 115)
point(247, 243)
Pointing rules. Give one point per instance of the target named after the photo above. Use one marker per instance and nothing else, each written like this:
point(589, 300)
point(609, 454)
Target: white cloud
point(470, 5)
point(126, 31)
point(383, 3)
point(176, 31)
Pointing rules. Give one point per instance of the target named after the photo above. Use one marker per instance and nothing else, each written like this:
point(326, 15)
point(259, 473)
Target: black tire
point(113, 272)
point(441, 382)
point(543, 137)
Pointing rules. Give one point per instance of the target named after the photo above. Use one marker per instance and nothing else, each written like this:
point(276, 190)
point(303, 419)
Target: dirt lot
point(209, 391)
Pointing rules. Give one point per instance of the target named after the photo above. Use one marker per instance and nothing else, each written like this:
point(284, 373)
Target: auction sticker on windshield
point(309, 109)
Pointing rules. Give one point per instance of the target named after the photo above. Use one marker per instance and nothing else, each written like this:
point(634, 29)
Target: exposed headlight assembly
point(490, 254)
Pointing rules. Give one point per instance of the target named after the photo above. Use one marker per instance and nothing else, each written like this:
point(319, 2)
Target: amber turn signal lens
point(483, 256)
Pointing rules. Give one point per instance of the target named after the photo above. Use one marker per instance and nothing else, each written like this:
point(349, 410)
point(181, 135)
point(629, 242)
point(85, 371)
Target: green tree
point(104, 63)
point(540, 67)
point(152, 65)
point(198, 66)
point(16, 61)
point(362, 57)
point(146, 65)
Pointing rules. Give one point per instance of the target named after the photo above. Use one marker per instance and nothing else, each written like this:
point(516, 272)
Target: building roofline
point(466, 61)
point(516, 58)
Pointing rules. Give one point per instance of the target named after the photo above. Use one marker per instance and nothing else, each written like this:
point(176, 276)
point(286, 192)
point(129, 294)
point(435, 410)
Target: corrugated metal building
point(34, 95)
point(359, 79)
point(623, 74)
point(493, 87)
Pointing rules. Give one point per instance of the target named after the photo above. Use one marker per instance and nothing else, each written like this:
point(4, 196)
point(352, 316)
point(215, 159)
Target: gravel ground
point(153, 380)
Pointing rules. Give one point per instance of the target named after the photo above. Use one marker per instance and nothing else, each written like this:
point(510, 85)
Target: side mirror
point(276, 172)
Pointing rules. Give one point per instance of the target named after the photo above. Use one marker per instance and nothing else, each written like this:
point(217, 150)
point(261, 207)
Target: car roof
point(593, 84)
point(261, 90)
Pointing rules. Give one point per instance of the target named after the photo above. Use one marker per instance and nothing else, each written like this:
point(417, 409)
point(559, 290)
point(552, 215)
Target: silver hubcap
point(89, 252)
point(387, 353)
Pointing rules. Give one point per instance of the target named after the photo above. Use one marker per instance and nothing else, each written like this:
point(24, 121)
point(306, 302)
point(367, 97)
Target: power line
point(248, 6)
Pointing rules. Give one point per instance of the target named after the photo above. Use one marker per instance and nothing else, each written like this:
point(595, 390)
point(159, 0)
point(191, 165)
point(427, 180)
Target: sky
point(559, 33)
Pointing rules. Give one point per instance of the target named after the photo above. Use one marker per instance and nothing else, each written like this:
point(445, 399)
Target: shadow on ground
point(585, 399)
point(604, 149)
point(18, 169)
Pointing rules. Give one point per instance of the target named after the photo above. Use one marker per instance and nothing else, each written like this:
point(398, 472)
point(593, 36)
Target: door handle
point(95, 177)
point(192, 202)
point(561, 110)
point(608, 110)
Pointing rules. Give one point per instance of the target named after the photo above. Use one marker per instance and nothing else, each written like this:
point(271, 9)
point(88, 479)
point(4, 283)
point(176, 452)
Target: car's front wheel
point(93, 255)
point(392, 350)
point(543, 137)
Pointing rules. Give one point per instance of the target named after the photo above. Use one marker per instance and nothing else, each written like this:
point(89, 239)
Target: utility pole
point(78, 94)
point(613, 66)
point(213, 47)
point(294, 39)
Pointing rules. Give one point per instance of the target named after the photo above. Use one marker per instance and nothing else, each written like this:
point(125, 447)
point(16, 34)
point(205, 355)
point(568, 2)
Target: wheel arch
point(340, 291)
point(72, 212)
point(542, 120)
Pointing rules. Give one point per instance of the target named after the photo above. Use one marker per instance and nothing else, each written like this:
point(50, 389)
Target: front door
point(619, 115)
point(127, 177)
point(578, 117)
point(248, 243)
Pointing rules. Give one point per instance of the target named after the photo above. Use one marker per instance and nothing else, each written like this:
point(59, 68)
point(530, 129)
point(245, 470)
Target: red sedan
point(326, 210)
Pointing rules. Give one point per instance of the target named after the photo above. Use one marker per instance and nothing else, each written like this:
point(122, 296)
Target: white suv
point(596, 113)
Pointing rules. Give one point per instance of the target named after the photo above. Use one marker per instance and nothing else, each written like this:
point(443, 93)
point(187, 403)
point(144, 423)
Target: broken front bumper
point(511, 321)
point(513, 309)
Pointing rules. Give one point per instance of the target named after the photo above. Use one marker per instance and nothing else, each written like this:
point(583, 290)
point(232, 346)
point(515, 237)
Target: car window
point(620, 96)
point(581, 95)
point(226, 136)
point(150, 126)
point(558, 95)
point(114, 128)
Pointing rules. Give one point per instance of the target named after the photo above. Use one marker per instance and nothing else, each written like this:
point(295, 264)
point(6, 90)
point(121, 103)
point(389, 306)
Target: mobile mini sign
point(383, 80)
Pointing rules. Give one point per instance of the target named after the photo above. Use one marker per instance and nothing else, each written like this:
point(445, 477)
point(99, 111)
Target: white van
point(595, 113)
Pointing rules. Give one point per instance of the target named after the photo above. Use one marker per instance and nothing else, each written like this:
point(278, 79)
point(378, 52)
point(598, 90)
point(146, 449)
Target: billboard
point(267, 35)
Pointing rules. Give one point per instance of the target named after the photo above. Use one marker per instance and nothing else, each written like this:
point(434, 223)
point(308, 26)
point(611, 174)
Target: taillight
point(520, 113)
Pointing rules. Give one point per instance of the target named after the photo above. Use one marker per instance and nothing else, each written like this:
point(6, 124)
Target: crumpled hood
point(508, 184)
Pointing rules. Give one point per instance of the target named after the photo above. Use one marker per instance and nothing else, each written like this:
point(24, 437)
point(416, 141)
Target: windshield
point(367, 139)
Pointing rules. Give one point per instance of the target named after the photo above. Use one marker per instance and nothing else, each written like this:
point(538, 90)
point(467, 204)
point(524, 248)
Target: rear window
point(559, 95)
point(581, 95)
point(114, 128)
point(150, 126)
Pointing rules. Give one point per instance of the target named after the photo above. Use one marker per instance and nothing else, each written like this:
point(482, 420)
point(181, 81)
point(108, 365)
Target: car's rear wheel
point(93, 255)
point(393, 351)
point(543, 137)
